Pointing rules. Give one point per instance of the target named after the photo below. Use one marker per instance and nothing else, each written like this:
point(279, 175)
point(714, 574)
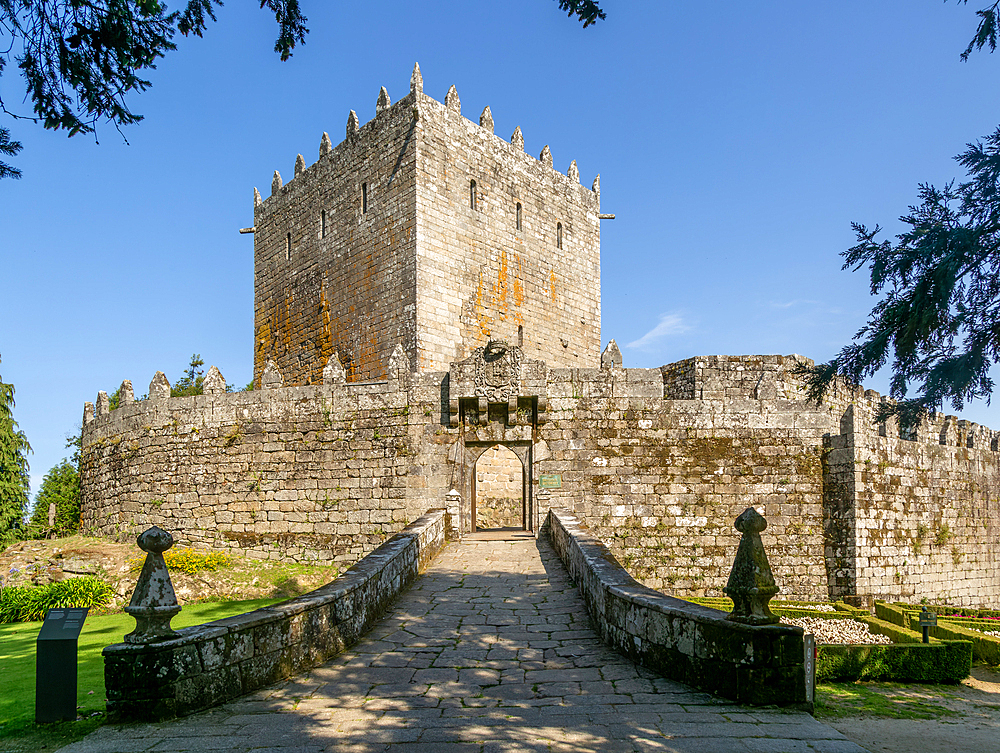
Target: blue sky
point(736, 142)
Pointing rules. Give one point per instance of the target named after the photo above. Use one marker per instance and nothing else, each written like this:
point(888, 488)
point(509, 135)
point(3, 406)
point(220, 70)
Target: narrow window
point(472, 194)
point(520, 329)
point(322, 224)
point(519, 215)
point(288, 247)
point(558, 235)
point(364, 197)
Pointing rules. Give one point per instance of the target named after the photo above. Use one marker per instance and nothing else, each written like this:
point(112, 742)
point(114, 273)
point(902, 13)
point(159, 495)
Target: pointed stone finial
point(451, 100)
point(398, 362)
point(486, 119)
point(334, 371)
point(88, 413)
point(352, 124)
point(546, 156)
point(416, 80)
point(611, 357)
point(325, 147)
point(574, 172)
point(125, 393)
point(215, 383)
point(517, 139)
point(300, 165)
point(271, 377)
point(154, 602)
point(383, 101)
point(751, 584)
point(103, 404)
point(596, 188)
point(275, 183)
point(256, 197)
point(159, 387)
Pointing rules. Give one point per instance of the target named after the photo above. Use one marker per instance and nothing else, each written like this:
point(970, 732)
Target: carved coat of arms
point(498, 371)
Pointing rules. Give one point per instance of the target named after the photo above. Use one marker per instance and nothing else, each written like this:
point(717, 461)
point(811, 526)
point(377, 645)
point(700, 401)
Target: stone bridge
point(491, 648)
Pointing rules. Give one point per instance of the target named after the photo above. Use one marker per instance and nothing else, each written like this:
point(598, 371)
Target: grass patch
point(887, 700)
point(17, 668)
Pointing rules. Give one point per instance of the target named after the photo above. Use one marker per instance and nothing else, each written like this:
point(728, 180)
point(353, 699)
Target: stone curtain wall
point(478, 276)
point(295, 473)
point(499, 489)
point(218, 661)
point(920, 517)
point(762, 665)
point(331, 471)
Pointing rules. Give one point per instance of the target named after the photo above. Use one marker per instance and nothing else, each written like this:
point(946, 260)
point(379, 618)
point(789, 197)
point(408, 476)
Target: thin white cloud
point(789, 304)
point(669, 324)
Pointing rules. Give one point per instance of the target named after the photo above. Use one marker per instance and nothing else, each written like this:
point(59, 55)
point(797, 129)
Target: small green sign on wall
point(550, 481)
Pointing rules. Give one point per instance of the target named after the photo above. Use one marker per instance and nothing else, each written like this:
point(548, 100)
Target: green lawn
point(17, 661)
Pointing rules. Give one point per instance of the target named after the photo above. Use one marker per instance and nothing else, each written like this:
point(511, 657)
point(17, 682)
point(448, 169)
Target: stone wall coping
point(236, 655)
point(757, 665)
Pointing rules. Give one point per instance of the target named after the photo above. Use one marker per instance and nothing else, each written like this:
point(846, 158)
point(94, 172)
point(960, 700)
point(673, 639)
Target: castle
point(428, 335)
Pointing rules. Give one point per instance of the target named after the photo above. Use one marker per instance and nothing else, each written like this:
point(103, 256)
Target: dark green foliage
point(22, 603)
point(588, 11)
point(191, 382)
point(985, 648)
point(14, 482)
point(936, 324)
point(939, 662)
point(61, 487)
point(8, 148)
point(79, 60)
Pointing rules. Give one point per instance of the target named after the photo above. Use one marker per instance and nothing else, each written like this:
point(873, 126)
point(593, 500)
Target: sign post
point(55, 665)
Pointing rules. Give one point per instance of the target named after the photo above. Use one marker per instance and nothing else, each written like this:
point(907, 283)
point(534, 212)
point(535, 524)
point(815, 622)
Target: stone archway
point(498, 496)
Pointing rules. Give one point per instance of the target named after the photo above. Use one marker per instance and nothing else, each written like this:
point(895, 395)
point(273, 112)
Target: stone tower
point(424, 229)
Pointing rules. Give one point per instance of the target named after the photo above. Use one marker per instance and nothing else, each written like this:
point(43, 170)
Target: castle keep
point(427, 335)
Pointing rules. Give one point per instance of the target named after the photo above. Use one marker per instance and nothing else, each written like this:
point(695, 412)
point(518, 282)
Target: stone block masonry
point(218, 661)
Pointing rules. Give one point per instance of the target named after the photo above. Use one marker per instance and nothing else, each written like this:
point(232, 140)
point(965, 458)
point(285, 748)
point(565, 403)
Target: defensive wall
point(657, 462)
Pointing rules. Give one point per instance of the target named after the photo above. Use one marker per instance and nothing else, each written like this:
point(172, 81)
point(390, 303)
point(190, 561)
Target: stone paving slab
point(490, 650)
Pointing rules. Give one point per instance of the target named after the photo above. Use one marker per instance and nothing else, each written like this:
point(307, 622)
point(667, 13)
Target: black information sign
point(55, 665)
point(927, 621)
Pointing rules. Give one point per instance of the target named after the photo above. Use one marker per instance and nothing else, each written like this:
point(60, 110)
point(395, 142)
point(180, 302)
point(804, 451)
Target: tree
point(191, 382)
point(938, 320)
point(61, 487)
point(80, 59)
point(14, 482)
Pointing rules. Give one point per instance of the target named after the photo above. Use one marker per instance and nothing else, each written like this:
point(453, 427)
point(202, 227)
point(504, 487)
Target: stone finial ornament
point(325, 147)
point(517, 139)
point(486, 119)
point(154, 602)
point(256, 197)
point(215, 383)
point(334, 371)
point(383, 101)
point(275, 183)
point(88, 413)
point(103, 404)
point(546, 156)
point(398, 362)
point(751, 584)
point(125, 393)
point(159, 387)
point(300, 165)
point(416, 80)
point(574, 172)
point(352, 124)
point(596, 187)
point(611, 358)
point(451, 100)
point(271, 377)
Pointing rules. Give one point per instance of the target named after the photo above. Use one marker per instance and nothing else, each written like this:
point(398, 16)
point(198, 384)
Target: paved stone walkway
point(491, 650)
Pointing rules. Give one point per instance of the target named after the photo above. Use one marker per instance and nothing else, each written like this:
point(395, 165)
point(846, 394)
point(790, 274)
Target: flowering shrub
point(187, 561)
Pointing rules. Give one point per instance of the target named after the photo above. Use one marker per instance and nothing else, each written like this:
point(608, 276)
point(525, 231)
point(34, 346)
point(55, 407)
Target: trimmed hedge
point(985, 648)
point(896, 633)
point(940, 662)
